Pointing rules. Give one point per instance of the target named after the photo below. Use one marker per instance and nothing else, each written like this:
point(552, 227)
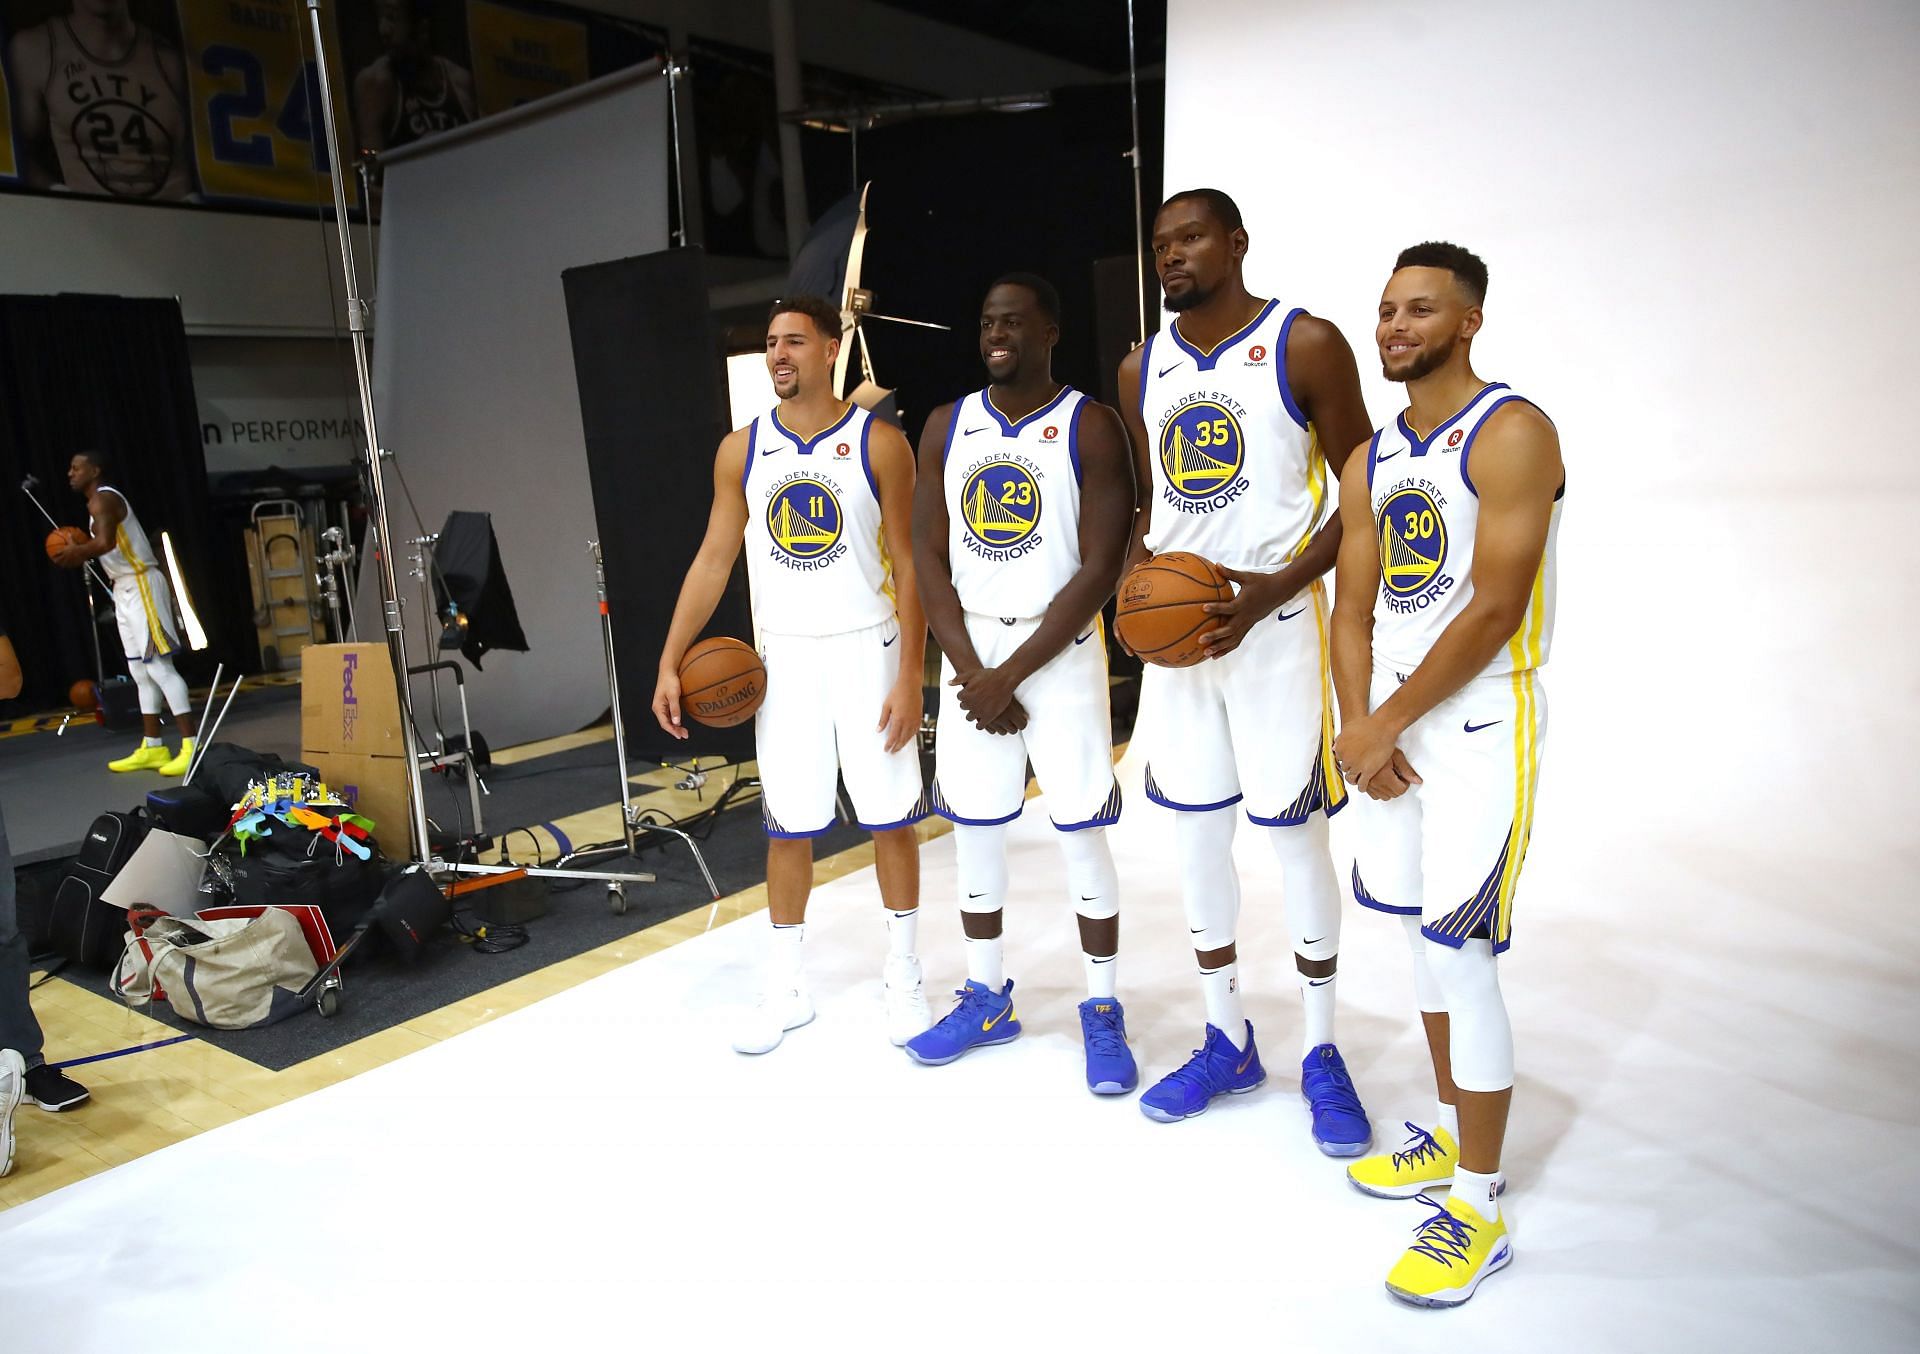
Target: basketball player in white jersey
point(1445, 613)
point(100, 105)
point(409, 91)
point(1241, 411)
point(1021, 521)
point(142, 609)
point(821, 492)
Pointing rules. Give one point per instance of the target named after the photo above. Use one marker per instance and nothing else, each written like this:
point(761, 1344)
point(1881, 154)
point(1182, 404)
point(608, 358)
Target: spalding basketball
point(82, 695)
point(722, 682)
point(1159, 612)
point(61, 537)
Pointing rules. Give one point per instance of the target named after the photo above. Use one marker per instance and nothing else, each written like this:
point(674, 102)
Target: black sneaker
point(51, 1089)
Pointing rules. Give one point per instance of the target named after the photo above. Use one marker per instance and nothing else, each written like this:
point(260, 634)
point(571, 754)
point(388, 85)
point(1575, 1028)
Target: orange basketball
point(82, 696)
point(61, 537)
point(1159, 615)
point(722, 682)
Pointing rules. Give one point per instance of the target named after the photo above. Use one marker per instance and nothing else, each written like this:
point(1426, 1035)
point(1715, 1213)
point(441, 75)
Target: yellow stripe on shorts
point(156, 631)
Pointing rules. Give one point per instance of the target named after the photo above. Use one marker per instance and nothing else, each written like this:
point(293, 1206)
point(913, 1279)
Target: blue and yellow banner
point(519, 56)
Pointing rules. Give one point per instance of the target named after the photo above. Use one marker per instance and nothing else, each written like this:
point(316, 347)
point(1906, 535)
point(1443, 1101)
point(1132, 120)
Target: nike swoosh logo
point(1085, 899)
point(986, 1025)
point(1245, 1062)
point(1318, 982)
point(969, 432)
point(1084, 638)
point(1108, 960)
point(888, 643)
point(977, 895)
point(1387, 455)
point(1164, 370)
point(1289, 615)
point(1312, 942)
point(1196, 930)
point(769, 451)
point(1471, 727)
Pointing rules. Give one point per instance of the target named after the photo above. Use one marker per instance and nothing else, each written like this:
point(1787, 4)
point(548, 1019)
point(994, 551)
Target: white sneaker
point(778, 1010)
point(13, 1084)
point(907, 1013)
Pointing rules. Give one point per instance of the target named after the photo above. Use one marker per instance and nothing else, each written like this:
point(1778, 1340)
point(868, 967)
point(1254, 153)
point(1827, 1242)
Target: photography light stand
point(336, 565)
point(92, 572)
point(383, 551)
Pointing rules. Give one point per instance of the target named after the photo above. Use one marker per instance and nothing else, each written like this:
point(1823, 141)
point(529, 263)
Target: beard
point(1430, 360)
point(1193, 296)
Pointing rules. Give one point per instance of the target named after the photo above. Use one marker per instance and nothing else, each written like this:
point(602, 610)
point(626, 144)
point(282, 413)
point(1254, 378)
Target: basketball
point(722, 682)
point(1158, 614)
point(81, 695)
point(61, 537)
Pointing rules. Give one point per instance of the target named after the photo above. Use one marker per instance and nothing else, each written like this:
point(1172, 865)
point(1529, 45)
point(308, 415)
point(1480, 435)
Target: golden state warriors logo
point(1413, 541)
point(803, 517)
point(1000, 504)
point(1202, 452)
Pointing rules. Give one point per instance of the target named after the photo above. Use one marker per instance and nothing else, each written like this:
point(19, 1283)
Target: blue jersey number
point(295, 120)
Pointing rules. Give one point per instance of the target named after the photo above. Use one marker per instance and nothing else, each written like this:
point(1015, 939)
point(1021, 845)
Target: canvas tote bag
point(231, 973)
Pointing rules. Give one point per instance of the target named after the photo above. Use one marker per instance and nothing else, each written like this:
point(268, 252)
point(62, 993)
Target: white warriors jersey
point(118, 125)
point(1013, 503)
point(1425, 514)
point(1238, 475)
point(132, 554)
point(816, 556)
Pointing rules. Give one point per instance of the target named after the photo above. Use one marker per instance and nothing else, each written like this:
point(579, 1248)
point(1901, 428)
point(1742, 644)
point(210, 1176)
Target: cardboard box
point(374, 786)
point(348, 702)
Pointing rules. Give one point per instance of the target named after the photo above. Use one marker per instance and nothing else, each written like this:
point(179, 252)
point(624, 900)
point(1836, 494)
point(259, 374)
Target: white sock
point(1450, 1120)
point(1221, 988)
point(153, 742)
point(1312, 894)
point(903, 929)
point(1482, 1191)
point(1094, 884)
point(1100, 975)
point(986, 963)
point(785, 962)
point(980, 862)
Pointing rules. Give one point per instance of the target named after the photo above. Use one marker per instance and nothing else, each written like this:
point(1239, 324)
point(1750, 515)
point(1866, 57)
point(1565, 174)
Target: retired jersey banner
point(258, 123)
point(520, 56)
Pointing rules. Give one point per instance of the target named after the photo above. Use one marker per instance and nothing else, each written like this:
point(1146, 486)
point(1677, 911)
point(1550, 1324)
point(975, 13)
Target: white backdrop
point(473, 363)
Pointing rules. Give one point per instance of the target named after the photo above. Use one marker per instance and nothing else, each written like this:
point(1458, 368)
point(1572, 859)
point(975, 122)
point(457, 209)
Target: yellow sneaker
point(1427, 1160)
point(1452, 1251)
point(177, 765)
point(142, 758)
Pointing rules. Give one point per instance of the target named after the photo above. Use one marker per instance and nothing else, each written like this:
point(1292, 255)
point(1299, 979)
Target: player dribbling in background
point(1445, 612)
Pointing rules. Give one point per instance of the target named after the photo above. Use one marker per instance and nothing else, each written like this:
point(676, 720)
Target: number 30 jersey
point(816, 556)
point(1238, 476)
point(1013, 503)
point(1425, 516)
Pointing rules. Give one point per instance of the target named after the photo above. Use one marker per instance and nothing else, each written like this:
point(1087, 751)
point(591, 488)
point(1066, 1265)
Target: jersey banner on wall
point(520, 56)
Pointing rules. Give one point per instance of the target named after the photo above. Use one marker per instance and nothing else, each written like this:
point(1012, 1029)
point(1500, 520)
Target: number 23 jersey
point(816, 555)
point(1426, 514)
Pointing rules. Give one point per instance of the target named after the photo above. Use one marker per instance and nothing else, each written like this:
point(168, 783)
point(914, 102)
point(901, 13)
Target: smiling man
point(1240, 409)
point(1020, 527)
point(821, 493)
point(1445, 611)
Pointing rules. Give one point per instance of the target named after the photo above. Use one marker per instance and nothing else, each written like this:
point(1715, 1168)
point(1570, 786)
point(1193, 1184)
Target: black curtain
point(108, 373)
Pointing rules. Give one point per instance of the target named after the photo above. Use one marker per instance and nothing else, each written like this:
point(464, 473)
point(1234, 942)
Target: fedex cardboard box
point(348, 702)
point(373, 786)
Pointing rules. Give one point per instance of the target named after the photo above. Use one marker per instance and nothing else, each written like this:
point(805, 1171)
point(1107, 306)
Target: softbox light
point(470, 587)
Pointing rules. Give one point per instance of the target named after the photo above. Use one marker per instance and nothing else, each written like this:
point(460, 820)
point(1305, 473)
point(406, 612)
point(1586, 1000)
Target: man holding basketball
point(143, 610)
point(821, 493)
point(1020, 526)
point(1237, 410)
point(1446, 602)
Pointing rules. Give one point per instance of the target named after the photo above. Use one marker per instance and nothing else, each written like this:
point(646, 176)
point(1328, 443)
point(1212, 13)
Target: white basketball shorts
point(980, 778)
point(143, 612)
point(1254, 726)
point(1449, 850)
point(820, 721)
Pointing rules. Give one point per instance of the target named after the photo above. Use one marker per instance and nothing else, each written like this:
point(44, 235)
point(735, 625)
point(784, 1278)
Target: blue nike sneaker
point(1216, 1068)
point(1340, 1125)
point(1110, 1067)
point(981, 1016)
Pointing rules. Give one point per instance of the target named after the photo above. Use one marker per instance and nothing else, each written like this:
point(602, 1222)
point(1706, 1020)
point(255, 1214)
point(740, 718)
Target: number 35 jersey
point(1013, 503)
point(1238, 476)
point(1426, 513)
point(816, 556)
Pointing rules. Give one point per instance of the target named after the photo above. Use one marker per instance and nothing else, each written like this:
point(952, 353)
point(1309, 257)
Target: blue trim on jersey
point(1467, 446)
point(1205, 361)
point(1373, 452)
point(866, 457)
point(938, 803)
point(1146, 370)
point(1366, 899)
point(1419, 445)
point(1106, 816)
point(953, 425)
point(805, 445)
point(1011, 429)
point(921, 808)
point(1280, 365)
point(1073, 440)
point(753, 433)
point(1158, 796)
point(771, 826)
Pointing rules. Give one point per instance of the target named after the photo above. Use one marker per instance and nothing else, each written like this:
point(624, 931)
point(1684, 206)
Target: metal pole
point(674, 70)
point(613, 691)
point(1139, 223)
point(357, 332)
point(790, 94)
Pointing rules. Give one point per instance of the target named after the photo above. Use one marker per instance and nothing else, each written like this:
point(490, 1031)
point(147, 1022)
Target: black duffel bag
point(228, 770)
point(292, 865)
